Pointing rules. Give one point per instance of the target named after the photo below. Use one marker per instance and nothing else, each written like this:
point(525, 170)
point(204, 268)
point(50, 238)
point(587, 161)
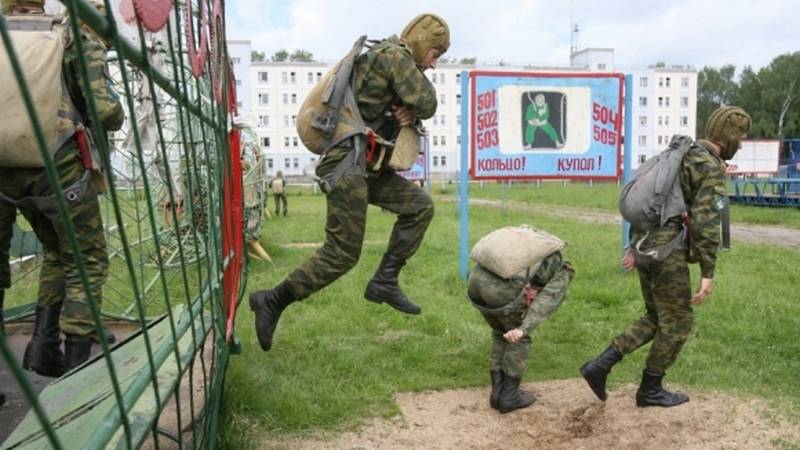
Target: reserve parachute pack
point(653, 196)
point(38, 42)
point(515, 252)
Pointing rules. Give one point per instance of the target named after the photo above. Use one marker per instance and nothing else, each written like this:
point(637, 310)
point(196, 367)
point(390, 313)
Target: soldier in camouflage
point(513, 308)
point(665, 285)
point(392, 92)
point(62, 303)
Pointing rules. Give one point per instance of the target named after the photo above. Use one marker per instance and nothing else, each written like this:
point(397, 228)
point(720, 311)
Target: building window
point(441, 119)
point(442, 99)
point(666, 121)
point(265, 142)
point(286, 121)
point(294, 99)
point(263, 77)
point(642, 141)
point(444, 161)
point(660, 81)
point(238, 82)
point(294, 142)
point(293, 77)
point(285, 99)
point(458, 99)
point(284, 77)
point(436, 120)
point(286, 141)
point(263, 121)
point(236, 60)
point(458, 78)
point(238, 104)
point(296, 163)
point(643, 121)
point(310, 77)
point(286, 163)
point(444, 142)
point(684, 102)
point(659, 140)
point(458, 139)
point(601, 66)
point(294, 120)
point(270, 163)
point(666, 102)
point(319, 77)
point(667, 82)
point(643, 82)
point(685, 82)
point(458, 119)
point(263, 99)
point(436, 141)
point(684, 121)
point(433, 78)
point(435, 161)
point(642, 101)
point(642, 158)
point(660, 121)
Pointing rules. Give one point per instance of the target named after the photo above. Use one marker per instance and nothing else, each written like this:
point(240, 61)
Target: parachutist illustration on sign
point(543, 111)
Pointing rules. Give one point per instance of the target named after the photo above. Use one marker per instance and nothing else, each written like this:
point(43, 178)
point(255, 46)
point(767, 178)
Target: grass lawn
point(338, 359)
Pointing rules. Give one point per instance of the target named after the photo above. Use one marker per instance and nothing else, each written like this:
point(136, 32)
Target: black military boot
point(43, 354)
point(268, 306)
point(496, 376)
point(383, 287)
point(596, 371)
point(76, 350)
point(512, 397)
point(651, 393)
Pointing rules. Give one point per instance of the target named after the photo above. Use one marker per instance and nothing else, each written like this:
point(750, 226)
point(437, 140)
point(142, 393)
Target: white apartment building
point(270, 94)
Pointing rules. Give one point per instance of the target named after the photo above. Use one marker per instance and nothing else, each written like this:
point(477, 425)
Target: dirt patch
point(749, 234)
point(565, 416)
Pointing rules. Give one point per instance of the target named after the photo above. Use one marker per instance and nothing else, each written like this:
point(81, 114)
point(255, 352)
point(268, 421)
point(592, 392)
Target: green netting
point(175, 248)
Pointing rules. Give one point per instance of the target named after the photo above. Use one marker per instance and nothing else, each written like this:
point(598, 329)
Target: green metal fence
point(173, 220)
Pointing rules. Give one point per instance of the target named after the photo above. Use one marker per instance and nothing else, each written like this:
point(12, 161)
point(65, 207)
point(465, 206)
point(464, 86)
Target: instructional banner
point(545, 125)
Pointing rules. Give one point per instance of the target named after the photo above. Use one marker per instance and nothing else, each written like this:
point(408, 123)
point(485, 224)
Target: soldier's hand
point(402, 115)
point(628, 261)
point(513, 336)
point(706, 285)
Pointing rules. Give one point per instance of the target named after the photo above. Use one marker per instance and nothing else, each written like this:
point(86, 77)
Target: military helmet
point(9, 5)
point(727, 126)
point(424, 32)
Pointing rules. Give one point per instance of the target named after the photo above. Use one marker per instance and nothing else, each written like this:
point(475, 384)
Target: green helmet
point(424, 32)
point(727, 126)
point(9, 5)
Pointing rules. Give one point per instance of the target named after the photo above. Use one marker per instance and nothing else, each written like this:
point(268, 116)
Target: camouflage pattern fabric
point(666, 286)
point(8, 214)
point(280, 199)
point(502, 304)
point(386, 75)
point(59, 280)
point(32, 193)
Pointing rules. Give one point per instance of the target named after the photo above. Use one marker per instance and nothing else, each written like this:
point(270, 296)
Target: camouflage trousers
point(513, 358)
point(346, 224)
point(668, 314)
point(281, 199)
point(59, 279)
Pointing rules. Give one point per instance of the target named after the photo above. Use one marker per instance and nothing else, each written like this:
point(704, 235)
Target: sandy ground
point(750, 234)
point(565, 416)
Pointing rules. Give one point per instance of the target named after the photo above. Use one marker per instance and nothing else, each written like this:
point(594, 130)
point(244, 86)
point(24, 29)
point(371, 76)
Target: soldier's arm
point(555, 275)
point(109, 107)
point(705, 182)
point(411, 85)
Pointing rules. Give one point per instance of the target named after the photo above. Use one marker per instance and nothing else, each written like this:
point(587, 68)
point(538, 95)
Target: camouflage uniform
point(665, 286)
point(385, 76)
point(31, 192)
point(280, 197)
point(503, 304)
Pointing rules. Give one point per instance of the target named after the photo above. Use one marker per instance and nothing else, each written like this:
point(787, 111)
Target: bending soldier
point(391, 92)
point(665, 284)
point(513, 308)
point(62, 303)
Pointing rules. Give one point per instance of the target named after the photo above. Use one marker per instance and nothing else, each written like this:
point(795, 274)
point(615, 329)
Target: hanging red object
point(199, 51)
point(153, 14)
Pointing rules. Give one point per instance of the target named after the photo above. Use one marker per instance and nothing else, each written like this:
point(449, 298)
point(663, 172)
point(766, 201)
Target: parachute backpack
point(38, 42)
point(329, 114)
point(653, 196)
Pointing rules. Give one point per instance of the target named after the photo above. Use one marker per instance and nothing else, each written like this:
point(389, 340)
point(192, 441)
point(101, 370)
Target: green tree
point(715, 88)
point(300, 55)
point(280, 56)
point(257, 56)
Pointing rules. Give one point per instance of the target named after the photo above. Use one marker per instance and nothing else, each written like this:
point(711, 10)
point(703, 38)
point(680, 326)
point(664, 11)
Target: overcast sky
point(642, 32)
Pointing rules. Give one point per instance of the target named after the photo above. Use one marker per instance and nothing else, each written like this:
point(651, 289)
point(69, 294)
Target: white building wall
point(239, 52)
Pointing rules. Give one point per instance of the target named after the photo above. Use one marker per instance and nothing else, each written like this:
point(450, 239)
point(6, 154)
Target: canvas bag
point(515, 251)
point(39, 45)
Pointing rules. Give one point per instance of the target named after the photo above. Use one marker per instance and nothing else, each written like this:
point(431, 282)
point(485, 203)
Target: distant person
point(391, 92)
point(665, 284)
point(62, 303)
point(278, 186)
point(513, 308)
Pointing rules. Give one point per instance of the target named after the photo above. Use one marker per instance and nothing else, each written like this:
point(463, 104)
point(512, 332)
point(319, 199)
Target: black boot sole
point(646, 404)
point(412, 312)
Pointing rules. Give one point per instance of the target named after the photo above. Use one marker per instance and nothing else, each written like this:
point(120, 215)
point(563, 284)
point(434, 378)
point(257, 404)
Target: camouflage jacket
point(702, 180)
point(489, 292)
point(109, 108)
